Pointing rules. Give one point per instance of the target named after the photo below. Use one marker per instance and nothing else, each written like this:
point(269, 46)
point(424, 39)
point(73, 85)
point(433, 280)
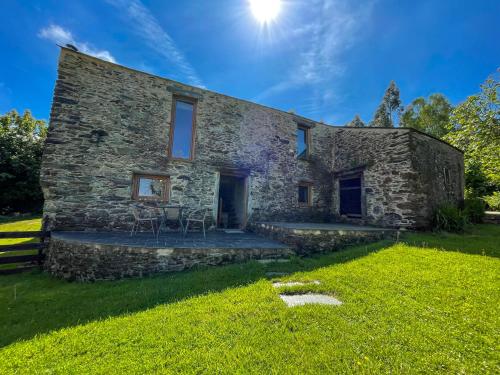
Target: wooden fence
point(23, 262)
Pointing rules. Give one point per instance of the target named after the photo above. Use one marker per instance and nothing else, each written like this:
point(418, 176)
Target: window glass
point(150, 187)
point(304, 194)
point(301, 141)
point(183, 130)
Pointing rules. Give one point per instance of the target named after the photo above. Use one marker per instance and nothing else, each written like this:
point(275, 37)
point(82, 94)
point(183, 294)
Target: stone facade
point(109, 122)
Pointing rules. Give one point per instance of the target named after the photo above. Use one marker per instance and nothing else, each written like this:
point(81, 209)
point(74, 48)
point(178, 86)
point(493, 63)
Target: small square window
point(150, 188)
point(304, 194)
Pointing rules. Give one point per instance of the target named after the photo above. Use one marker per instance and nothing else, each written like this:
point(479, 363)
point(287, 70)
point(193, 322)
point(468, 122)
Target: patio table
point(164, 216)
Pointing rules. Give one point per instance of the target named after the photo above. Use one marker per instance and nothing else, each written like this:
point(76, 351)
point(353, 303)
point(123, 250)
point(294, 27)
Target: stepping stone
point(279, 260)
point(280, 284)
point(292, 300)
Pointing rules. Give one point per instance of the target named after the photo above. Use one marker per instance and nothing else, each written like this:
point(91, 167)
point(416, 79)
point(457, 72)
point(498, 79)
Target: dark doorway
point(231, 212)
point(350, 196)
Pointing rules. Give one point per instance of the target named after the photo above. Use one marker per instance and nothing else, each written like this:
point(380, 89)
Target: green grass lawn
point(18, 225)
point(427, 305)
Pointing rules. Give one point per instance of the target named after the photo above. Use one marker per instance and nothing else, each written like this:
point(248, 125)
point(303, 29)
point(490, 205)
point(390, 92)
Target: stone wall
point(439, 175)
point(383, 158)
point(307, 241)
point(87, 261)
point(108, 122)
point(402, 173)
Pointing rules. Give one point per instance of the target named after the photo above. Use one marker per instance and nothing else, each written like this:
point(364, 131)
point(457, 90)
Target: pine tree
point(356, 122)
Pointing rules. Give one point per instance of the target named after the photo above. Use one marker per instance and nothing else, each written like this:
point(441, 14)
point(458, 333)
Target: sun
point(265, 11)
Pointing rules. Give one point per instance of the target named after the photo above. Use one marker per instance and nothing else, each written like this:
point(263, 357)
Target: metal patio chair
point(199, 215)
point(139, 220)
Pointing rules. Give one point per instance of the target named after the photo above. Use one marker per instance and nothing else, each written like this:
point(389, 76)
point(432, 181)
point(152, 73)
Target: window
point(304, 194)
point(182, 128)
point(150, 188)
point(302, 141)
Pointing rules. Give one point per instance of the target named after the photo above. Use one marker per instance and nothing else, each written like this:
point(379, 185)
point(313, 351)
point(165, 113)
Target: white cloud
point(61, 36)
point(333, 30)
point(147, 26)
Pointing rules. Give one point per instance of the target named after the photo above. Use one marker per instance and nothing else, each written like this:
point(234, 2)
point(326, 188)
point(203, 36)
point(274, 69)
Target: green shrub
point(449, 218)
point(474, 210)
point(493, 201)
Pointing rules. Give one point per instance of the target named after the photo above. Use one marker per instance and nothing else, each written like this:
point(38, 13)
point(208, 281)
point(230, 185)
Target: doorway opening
point(350, 196)
point(232, 212)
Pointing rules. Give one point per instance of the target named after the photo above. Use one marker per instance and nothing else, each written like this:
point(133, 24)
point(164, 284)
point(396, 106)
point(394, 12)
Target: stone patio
point(193, 240)
point(87, 255)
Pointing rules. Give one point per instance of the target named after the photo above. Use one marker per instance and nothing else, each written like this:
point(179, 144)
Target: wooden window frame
point(194, 102)
point(307, 132)
point(309, 186)
point(165, 188)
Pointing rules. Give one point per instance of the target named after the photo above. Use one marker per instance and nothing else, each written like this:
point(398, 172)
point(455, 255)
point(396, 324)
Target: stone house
point(119, 137)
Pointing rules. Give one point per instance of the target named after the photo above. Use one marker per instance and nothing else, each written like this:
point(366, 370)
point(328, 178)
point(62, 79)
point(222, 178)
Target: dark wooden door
point(350, 196)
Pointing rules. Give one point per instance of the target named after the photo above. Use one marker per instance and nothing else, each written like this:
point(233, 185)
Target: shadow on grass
point(481, 239)
point(36, 303)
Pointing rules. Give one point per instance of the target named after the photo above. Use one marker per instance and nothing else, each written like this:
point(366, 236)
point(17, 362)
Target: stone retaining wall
point(312, 241)
point(82, 261)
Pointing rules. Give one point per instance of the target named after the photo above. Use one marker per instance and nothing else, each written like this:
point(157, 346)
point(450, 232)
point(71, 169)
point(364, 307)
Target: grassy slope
point(406, 309)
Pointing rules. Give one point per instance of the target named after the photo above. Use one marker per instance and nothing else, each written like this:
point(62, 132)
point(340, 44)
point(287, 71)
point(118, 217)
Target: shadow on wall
point(36, 303)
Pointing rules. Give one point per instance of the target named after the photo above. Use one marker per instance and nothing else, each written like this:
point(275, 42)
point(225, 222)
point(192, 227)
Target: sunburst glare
point(265, 11)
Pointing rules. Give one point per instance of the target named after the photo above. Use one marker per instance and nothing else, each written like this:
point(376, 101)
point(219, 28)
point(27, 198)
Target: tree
point(431, 116)
point(356, 122)
point(381, 119)
point(21, 145)
point(475, 128)
point(389, 109)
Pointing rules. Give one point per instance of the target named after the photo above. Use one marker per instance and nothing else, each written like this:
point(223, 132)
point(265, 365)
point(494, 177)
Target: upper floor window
point(150, 187)
point(182, 128)
point(303, 140)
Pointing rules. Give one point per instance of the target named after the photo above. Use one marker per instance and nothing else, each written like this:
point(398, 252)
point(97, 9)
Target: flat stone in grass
point(279, 284)
point(292, 300)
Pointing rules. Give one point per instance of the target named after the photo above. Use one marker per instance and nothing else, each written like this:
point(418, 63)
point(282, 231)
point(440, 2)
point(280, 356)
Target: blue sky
point(325, 59)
